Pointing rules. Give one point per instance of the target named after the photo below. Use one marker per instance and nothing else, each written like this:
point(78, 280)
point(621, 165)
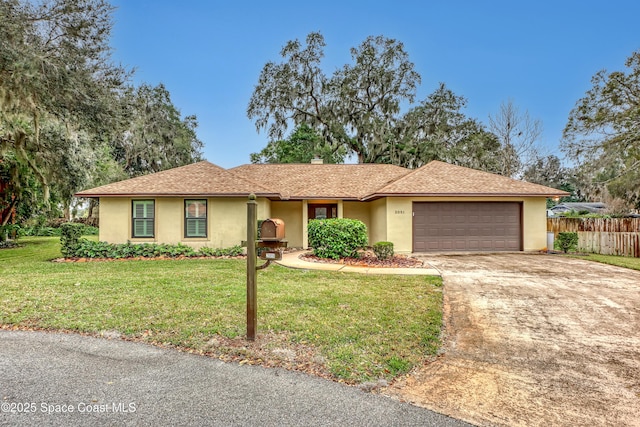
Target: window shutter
point(143, 209)
point(191, 228)
point(201, 227)
point(139, 210)
point(195, 218)
point(143, 218)
point(143, 228)
point(196, 227)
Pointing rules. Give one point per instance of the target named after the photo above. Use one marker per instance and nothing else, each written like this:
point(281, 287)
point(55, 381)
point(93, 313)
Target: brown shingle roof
point(443, 179)
point(197, 179)
point(324, 181)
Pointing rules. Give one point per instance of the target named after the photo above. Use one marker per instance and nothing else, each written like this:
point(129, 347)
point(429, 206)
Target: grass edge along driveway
point(348, 327)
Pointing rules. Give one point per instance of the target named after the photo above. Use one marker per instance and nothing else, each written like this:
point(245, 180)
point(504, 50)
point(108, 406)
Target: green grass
point(360, 327)
point(620, 261)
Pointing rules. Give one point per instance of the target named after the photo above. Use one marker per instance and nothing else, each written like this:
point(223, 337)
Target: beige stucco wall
point(264, 209)
point(227, 221)
point(291, 213)
point(534, 221)
point(378, 214)
point(400, 219)
point(115, 220)
point(170, 222)
point(389, 219)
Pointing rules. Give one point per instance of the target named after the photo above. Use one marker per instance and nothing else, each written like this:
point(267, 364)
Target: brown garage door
point(467, 226)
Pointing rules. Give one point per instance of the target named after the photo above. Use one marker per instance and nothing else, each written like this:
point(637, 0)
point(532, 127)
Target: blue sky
point(209, 54)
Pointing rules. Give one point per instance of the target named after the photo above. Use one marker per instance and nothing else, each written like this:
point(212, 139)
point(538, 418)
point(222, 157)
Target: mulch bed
point(367, 260)
point(165, 258)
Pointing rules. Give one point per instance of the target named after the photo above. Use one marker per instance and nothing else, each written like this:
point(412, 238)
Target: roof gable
point(201, 179)
point(321, 181)
point(444, 179)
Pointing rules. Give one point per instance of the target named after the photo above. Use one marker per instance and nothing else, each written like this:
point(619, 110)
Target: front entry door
point(323, 211)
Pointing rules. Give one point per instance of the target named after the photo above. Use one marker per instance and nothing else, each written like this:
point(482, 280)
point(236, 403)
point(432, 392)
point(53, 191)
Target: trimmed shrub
point(336, 238)
point(90, 249)
point(567, 241)
point(70, 234)
point(232, 251)
point(383, 250)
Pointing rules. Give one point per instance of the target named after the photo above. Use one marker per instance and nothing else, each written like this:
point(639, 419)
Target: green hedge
point(90, 249)
point(337, 237)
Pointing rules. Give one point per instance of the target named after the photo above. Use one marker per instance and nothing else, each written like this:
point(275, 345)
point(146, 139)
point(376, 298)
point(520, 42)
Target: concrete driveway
point(534, 340)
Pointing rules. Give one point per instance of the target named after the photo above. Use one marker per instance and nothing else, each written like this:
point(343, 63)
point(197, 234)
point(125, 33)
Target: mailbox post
point(272, 233)
point(252, 274)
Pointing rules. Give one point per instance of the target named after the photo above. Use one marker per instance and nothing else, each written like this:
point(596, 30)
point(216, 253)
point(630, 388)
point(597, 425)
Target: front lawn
point(620, 261)
point(350, 327)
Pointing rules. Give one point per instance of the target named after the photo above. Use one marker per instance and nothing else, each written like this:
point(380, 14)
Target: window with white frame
point(195, 218)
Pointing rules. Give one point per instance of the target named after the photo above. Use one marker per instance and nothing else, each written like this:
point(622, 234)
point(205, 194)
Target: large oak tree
point(603, 133)
point(68, 117)
point(354, 108)
point(359, 107)
point(57, 85)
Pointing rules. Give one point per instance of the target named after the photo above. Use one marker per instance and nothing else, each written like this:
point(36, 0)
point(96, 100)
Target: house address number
point(399, 212)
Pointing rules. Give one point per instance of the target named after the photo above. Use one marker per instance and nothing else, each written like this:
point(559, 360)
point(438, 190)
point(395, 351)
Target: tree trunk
point(9, 213)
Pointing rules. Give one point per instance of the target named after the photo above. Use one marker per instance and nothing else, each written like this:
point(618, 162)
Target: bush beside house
point(336, 238)
point(92, 249)
point(567, 241)
point(70, 236)
point(383, 250)
point(74, 246)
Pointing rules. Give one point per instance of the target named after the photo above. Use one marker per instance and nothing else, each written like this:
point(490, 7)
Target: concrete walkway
point(292, 260)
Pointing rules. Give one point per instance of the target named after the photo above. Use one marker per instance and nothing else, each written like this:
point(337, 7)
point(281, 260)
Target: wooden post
point(252, 273)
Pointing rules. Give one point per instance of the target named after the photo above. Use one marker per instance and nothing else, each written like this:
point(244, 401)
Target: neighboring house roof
point(442, 179)
point(596, 207)
point(321, 181)
point(197, 179)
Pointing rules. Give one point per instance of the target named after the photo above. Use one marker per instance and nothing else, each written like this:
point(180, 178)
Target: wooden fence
point(625, 244)
point(607, 236)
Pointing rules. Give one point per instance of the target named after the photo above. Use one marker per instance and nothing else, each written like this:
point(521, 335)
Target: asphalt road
point(49, 379)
